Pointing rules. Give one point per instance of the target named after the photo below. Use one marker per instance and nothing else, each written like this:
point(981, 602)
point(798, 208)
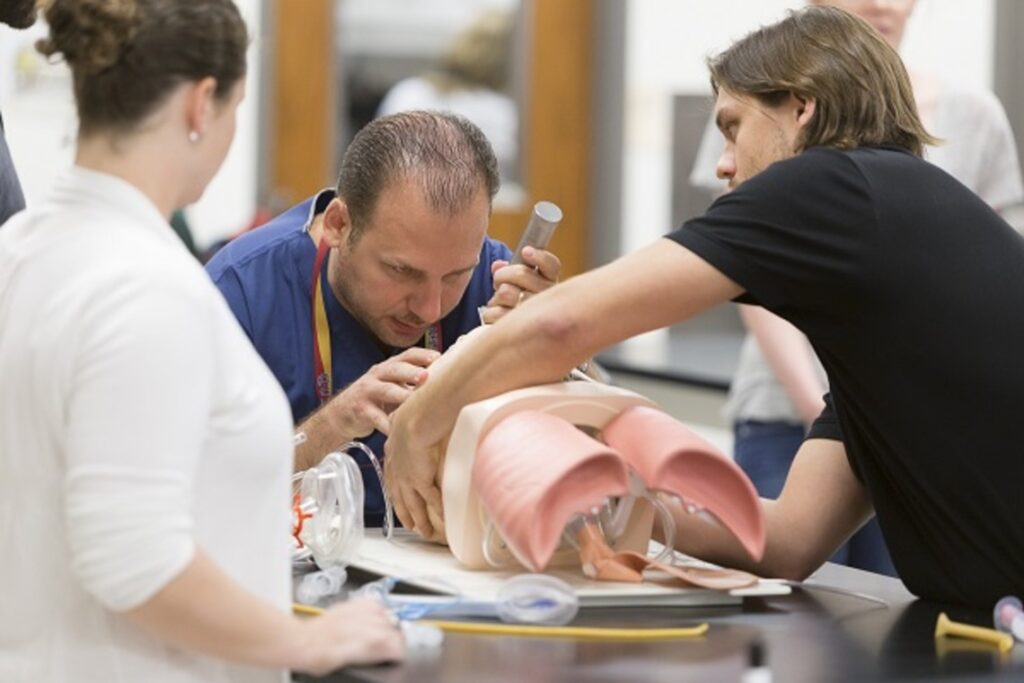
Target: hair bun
point(90, 34)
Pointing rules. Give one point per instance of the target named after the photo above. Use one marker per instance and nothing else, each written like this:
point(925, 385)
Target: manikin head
point(412, 207)
point(820, 77)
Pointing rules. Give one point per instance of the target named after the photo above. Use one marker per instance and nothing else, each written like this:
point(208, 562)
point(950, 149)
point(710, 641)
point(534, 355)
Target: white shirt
point(136, 422)
point(976, 145)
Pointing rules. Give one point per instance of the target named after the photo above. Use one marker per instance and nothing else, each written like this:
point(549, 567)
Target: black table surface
point(811, 635)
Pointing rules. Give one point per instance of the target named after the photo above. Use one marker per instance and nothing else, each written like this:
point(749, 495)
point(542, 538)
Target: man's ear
point(337, 223)
point(805, 109)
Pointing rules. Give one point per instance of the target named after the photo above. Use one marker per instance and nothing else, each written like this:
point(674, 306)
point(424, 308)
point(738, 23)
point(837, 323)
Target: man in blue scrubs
point(352, 294)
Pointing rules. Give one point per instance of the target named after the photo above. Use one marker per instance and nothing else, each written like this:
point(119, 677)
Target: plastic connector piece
point(537, 599)
point(316, 586)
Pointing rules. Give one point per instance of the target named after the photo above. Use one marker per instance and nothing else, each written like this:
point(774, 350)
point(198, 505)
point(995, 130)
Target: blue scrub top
point(266, 274)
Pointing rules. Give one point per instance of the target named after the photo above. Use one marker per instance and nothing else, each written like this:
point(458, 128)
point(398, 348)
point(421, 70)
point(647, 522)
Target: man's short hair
point(445, 153)
point(862, 93)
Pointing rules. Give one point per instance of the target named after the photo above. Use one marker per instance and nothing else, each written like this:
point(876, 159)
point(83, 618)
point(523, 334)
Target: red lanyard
point(323, 379)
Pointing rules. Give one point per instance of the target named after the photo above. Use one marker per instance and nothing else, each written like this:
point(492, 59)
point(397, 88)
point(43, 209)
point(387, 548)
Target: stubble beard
point(343, 289)
point(779, 149)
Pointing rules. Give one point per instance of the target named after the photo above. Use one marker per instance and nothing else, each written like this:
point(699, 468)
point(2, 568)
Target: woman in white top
point(779, 384)
point(145, 449)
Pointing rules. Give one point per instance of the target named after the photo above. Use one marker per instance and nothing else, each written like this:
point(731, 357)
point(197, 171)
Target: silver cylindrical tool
point(545, 218)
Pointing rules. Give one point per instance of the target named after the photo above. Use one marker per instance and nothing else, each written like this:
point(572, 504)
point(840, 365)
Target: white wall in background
point(39, 117)
point(230, 199)
point(406, 27)
point(668, 40)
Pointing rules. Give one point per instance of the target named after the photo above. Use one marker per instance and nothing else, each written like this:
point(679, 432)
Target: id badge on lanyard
point(323, 379)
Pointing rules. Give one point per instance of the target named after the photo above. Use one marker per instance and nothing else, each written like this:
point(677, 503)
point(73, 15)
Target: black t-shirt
point(911, 290)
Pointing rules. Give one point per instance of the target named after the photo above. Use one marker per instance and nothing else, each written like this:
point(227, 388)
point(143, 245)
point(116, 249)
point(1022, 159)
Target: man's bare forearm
point(713, 543)
point(821, 505)
point(316, 437)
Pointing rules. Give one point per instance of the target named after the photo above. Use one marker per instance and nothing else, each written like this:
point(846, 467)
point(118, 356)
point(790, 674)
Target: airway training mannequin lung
point(525, 464)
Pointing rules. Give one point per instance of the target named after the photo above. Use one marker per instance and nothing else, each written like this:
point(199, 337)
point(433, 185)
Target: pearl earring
point(193, 136)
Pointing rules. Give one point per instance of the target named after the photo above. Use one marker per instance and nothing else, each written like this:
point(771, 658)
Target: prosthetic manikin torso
point(574, 473)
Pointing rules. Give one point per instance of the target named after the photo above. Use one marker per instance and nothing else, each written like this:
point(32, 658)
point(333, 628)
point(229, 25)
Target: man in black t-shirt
point(910, 288)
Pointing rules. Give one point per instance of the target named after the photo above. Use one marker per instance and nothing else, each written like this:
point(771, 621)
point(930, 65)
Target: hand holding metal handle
point(545, 218)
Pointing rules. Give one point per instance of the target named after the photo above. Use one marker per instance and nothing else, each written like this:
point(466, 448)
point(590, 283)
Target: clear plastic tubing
point(522, 599)
point(331, 500)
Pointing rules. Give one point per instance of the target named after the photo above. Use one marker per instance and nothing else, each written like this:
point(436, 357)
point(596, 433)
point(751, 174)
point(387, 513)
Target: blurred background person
point(778, 387)
point(471, 79)
point(145, 448)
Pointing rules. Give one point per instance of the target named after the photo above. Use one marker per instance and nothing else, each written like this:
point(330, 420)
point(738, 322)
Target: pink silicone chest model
point(524, 463)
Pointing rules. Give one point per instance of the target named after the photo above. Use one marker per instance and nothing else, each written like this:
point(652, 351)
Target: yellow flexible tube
point(527, 630)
